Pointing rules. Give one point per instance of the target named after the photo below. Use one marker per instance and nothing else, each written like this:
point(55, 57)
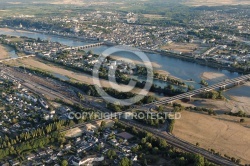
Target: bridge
point(21, 57)
point(85, 46)
point(222, 85)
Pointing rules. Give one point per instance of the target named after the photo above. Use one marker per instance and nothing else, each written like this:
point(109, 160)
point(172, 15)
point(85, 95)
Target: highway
point(198, 91)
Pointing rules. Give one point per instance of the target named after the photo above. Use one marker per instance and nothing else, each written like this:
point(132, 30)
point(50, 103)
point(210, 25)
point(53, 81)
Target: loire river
point(175, 67)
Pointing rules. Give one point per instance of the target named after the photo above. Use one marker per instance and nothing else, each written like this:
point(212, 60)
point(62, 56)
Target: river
point(174, 66)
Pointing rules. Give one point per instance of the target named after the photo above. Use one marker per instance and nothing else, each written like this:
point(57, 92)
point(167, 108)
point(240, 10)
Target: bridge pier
point(86, 46)
point(223, 87)
point(237, 83)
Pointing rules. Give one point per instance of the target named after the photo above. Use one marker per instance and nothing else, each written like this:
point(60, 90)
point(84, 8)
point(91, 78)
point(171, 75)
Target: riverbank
point(240, 102)
point(155, 66)
point(75, 76)
point(4, 52)
point(209, 63)
point(213, 64)
point(211, 75)
point(9, 29)
point(118, 58)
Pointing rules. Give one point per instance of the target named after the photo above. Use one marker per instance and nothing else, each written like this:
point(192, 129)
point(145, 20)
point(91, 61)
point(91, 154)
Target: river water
point(176, 67)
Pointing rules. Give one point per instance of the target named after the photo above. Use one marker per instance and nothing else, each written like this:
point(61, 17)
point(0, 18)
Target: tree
point(203, 82)
point(190, 87)
point(199, 160)
point(242, 120)
point(181, 161)
point(99, 147)
point(103, 124)
point(111, 154)
point(90, 52)
point(80, 96)
point(125, 162)
point(143, 140)
point(155, 150)
point(120, 141)
point(148, 145)
point(145, 163)
point(39, 39)
point(163, 144)
point(160, 108)
point(64, 163)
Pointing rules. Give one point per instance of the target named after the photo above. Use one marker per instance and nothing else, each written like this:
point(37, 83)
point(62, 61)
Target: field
point(181, 47)
point(153, 16)
point(74, 2)
point(222, 133)
point(82, 2)
point(215, 2)
point(36, 63)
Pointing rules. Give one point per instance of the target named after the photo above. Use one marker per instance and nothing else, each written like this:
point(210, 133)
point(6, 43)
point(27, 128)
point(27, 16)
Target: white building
point(86, 161)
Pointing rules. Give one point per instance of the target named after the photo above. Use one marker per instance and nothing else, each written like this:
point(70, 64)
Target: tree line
point(152, 145)
point(32, 140)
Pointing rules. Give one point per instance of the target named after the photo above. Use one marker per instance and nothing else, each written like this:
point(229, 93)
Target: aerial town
point(173, 83)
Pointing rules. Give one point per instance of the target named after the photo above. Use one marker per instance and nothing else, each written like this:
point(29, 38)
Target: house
point(59, 153)
point(14, 163)
point(54, 157)
point(114, 142)
point(49, 151)
point(9, 98)
point(134, 157)
point(42, 102)
point(67, 147)
point(78, 139)
point(42, 153)
point(85, 161)
point(125, 135)
point(31, 156)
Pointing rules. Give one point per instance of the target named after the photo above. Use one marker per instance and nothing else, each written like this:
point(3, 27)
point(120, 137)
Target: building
point(42, 102)
point(85, 161)
point(125, 135)
point(31, 157)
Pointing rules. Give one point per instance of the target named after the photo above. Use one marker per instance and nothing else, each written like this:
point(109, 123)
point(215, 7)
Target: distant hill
point(186, 2)
point(23, 1)
point(215, 2)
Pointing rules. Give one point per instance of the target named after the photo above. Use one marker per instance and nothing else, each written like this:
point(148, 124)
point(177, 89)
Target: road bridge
point(85, 46)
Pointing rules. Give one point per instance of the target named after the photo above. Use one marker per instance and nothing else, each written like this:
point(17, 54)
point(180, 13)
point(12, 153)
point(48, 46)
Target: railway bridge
point(220, 85)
